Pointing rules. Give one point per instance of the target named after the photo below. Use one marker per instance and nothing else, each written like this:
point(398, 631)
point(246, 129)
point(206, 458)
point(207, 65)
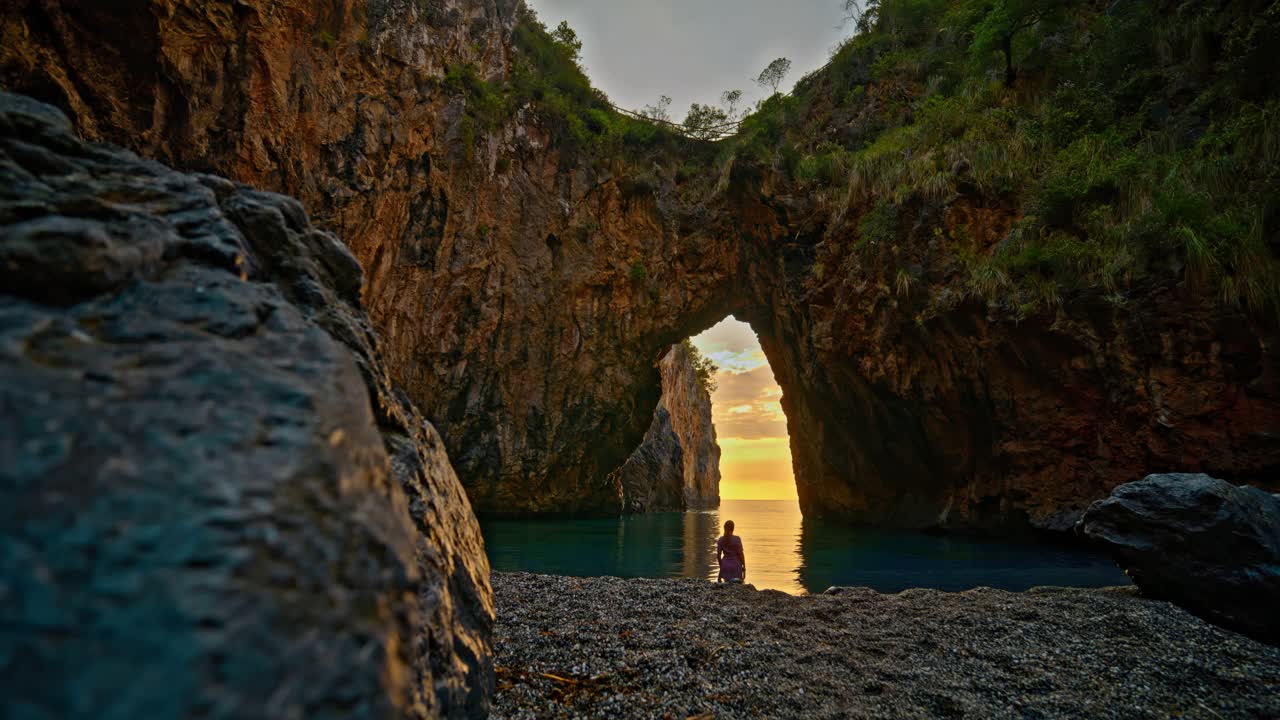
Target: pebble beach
point(606, 647)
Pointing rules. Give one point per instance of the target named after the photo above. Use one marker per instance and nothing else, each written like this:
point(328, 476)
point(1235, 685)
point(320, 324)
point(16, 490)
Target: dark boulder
point(213, 502)
point(1207, 545)
point(653, 477)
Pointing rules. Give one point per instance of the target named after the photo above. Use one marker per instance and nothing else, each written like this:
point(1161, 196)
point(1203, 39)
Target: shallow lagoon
point(784, 552)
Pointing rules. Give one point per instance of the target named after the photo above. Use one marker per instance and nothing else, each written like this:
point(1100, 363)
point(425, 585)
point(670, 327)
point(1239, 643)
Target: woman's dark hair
point(728, 526)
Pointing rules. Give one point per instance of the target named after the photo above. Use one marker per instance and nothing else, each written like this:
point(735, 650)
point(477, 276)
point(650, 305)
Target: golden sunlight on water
point(770, 532)
point(784, 552)
point(755, 461)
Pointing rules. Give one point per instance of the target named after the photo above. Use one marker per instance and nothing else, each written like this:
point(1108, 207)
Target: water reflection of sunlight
point(784, 552)
point(700, 530)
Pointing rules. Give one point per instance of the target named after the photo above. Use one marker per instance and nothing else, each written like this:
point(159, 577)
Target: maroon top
point(732, 561)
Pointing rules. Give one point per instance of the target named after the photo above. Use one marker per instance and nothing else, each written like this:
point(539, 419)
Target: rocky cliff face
point(499, 271)
point(522, 286)
point(216, 502)
point(504, 296)
point(677, 465)
point(911, 404)
point(652, 479)
point(687, 399)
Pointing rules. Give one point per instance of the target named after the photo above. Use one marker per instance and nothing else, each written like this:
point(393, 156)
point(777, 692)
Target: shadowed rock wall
point(503, 276)
point(503, 291)
point(652, 479)
point(216, 503)
point(677, 465)
point(913, 405)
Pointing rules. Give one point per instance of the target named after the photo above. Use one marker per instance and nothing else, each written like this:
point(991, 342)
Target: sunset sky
point(756, 458)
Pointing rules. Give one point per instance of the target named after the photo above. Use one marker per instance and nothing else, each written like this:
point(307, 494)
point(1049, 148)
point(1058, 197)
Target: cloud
point(729, 337)
point(745, 405)
point(692, 50)
point(744, 388)
point(738, 361)
point(752, 427)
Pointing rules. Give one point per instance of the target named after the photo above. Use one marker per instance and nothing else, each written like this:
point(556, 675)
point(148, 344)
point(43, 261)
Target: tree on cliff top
point(771, 77)
point(1003, 21)
point(706, 122)
point(567, 39)
point(730, 100)
point(704, 368)
point(658, 112)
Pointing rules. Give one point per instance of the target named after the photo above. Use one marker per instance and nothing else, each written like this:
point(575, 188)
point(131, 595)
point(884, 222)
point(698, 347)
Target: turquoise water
point(784, 552)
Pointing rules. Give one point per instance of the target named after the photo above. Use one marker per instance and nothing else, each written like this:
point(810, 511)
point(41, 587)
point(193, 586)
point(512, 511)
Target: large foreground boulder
point(213, 502)
point(1205, 544)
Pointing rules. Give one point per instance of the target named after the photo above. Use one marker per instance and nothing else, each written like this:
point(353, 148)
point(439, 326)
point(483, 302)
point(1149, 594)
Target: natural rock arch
point(522, 288)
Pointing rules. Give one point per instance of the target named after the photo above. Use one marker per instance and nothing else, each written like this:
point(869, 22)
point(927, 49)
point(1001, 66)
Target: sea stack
point(677, 466)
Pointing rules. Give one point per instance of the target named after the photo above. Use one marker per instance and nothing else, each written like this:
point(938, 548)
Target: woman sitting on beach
point(733, 563)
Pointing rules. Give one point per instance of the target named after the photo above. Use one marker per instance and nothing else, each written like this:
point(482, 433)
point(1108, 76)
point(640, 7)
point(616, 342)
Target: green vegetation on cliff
point(704, 367)
point(1112, 141)
point(1121, 139)
point(546, 77)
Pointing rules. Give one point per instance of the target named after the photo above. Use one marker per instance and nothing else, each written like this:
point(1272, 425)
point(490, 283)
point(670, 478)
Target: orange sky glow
point(755, 460)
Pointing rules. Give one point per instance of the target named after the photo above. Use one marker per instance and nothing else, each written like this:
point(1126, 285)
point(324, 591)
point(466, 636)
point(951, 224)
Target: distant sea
point(785, 552)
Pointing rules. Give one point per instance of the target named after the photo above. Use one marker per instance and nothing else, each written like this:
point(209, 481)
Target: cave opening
point(746, 410)
point(757, 486)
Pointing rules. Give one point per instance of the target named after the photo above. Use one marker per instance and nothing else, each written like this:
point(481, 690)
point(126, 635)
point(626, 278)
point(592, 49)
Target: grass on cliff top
point(1126, 137)
point(1125, 140)
point(547, 78)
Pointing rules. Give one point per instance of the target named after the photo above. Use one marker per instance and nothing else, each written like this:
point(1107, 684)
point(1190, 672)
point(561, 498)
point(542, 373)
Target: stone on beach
point(1203, 543)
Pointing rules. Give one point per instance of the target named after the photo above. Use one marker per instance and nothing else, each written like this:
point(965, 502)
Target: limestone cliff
point(523, 281)
point(216, 503)
point(652, 479)
point(677, 465)
point(687, 399)
point(925, 407)
point(501, 267)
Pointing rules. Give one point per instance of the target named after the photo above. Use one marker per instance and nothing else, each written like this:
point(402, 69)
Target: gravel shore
point(608, 647)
